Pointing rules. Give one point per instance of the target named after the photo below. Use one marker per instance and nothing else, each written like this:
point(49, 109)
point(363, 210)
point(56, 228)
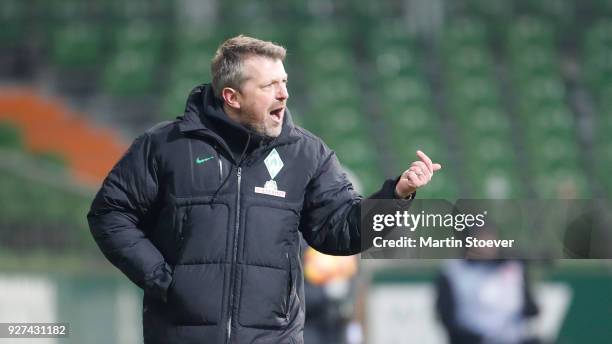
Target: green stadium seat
point(356, 152)
point(598, 35)
point(531, 31)
point(551, 121)
point(602, 127)
point(405, 90)
point(279, 33)
point(411, 118)
point(196, 38)
point(553, 152)
point(395, 61)
point(534, 62)
point(499, 183)
point(561, 183)
point(405, 145)
point(465, 32)
point(489, 152)
point(365, 9)
point(332, 62)
point(190, 62)
point(472, 92)
point(484, 119)
point(13, 23)
point(342, 121)
point(469, 61)
point(130, 73)
point(336, 91)
point(561, 12)
point(602, 161)
point(10, 136)
point(389, 33)
point(59, 215)
point(490, 10)
point(141, 35)
point(544, 90)
point(139, 9)
point(77, 45)
point(442, 186)
point(320, 34)
point(175, 96)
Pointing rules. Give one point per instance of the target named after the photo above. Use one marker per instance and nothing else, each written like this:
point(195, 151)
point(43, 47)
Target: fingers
point(415, 180)
point(419, 173)
point(413, 177)
point(425, 159)
point(421, 170)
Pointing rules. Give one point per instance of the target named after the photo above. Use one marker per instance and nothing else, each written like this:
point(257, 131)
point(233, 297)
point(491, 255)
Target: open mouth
point(277, 114)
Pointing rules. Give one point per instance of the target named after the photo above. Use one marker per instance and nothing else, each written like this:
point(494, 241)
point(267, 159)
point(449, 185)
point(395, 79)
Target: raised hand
point(418, 175)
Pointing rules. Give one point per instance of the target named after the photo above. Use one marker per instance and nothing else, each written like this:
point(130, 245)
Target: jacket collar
point(204, 113)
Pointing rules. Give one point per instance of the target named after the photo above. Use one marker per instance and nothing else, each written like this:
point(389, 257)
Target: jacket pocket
point(196, 294)
point(182, 216)
point(290, 286)
point(204, 230)
point(265, 297)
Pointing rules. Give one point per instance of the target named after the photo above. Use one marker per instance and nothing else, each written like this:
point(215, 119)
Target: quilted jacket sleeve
point(330, 220)
point(117, 214)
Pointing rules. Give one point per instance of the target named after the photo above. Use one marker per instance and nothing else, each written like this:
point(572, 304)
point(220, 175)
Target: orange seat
point(49, 126)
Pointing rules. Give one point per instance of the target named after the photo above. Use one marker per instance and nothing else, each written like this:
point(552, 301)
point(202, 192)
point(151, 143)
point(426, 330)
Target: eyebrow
point(271, 81)
point(283, 78)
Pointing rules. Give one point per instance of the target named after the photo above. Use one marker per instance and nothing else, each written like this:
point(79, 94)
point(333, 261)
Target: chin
point(272, 134)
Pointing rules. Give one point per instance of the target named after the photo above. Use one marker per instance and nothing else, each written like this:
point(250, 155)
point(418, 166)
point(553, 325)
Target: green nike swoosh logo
point(200, 161)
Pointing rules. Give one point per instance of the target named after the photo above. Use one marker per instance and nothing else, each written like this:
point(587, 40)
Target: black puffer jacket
point(188, 218)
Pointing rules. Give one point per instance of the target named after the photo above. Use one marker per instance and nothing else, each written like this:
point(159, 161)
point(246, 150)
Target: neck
point(231, 113)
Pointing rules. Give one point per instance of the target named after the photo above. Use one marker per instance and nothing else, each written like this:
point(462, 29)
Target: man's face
point(263, 95)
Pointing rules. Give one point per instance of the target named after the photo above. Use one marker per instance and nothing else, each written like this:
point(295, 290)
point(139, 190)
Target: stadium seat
point(499, 183)
point(13, 23)
point(140, 35)
point(129, 73)
point(394, 61)
point(77, 44)
point(10, 136)
point(388, 34)
point(531, 31)
point(465, 32)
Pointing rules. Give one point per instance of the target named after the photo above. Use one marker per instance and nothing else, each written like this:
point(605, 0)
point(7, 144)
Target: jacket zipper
point(234, 258)
point(288, 301)
point(180, 235)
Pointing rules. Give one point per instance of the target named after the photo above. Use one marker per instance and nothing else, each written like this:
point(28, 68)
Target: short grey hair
point(226, 66)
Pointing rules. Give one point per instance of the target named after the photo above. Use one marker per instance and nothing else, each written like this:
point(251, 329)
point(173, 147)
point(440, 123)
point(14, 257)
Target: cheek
point(259, 113)
point(261, 108)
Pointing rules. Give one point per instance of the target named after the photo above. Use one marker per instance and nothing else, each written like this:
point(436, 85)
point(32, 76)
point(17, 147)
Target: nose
point(282, 93)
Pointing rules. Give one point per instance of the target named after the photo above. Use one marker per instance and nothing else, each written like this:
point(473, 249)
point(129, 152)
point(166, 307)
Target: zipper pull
point(182, 225)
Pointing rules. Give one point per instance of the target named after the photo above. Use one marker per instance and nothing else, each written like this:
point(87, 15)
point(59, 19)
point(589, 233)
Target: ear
point(231, 97)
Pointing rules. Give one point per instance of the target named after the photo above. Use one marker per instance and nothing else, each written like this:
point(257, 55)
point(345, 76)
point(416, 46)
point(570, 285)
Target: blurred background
point(514, 98)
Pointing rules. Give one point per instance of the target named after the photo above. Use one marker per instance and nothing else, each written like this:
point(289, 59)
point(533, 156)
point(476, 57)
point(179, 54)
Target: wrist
point(408, 196)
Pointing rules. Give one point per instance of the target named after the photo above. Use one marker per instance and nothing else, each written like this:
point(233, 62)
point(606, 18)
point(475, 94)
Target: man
point(203, 212)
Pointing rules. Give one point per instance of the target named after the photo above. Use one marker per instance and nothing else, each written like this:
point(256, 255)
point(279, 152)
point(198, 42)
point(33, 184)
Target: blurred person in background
point(203, 212)
point(328, 287)
point(485, 299)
